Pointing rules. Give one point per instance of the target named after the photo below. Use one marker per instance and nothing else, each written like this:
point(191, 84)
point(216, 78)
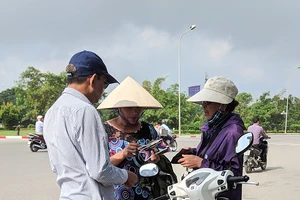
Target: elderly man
point(76, 140)
point(39, 125)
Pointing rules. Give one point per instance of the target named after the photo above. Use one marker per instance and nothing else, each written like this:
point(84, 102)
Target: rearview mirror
point(149, 170)
point(244, 143)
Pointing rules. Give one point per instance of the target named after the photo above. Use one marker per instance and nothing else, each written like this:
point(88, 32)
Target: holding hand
point(131, 180)
point(154, 158)
point(190, 161)
point(130, 150)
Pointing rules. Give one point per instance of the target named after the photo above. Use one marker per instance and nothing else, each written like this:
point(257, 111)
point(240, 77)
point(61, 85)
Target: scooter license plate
point(247, 153)
point(28, 143)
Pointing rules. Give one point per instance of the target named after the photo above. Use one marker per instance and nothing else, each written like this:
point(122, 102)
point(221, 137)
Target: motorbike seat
point(255, 151)
point(255, 147)
point(34, 135)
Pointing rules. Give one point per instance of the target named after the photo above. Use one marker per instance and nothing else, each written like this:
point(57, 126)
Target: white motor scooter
point(204, 183)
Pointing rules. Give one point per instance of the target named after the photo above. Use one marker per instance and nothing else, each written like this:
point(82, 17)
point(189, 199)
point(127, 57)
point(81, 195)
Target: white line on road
point(285, 144)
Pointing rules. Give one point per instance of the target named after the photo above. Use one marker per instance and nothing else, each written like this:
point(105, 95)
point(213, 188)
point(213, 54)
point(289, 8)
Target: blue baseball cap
point(88, 63)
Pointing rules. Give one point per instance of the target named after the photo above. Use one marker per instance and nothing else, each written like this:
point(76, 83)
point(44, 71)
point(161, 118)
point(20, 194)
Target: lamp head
point(193, 27)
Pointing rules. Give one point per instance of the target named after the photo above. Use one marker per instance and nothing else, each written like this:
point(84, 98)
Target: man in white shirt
point(165, 127)
point(39, 125)
point(76, 140)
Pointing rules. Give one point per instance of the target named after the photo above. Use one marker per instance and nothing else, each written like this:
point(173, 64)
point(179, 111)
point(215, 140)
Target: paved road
point(26, 175)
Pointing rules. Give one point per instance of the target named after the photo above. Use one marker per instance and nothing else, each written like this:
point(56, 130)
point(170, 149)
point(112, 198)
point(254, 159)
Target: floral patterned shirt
point(118, 140)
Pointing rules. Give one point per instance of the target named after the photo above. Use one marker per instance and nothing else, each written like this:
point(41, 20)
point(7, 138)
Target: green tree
point(276, 120)
point(169, 100)
point(37, 91)
point(156, 115)
point(8, 95)
point(261, 108)
point(10, 115)
point(293, 110)
point(242, 109)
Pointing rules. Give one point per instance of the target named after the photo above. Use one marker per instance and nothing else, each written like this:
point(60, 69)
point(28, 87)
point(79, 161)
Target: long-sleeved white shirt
point(39, 125)
point(78, 149)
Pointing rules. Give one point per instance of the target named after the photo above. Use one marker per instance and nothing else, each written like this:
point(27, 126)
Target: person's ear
point(223, 107)
point(92, 79)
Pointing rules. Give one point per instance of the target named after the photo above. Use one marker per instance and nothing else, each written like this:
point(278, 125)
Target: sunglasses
point(205, 103)
point(106, 84)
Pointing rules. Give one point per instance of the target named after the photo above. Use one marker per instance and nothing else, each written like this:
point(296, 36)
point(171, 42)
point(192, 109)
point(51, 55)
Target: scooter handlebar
point(236, 179)
point(163, 197)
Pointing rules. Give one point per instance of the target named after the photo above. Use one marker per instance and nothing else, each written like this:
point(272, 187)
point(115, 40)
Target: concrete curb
point(191, 136)
point(14, 137)
point(26, 137)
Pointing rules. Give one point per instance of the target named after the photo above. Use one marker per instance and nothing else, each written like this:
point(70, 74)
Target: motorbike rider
point(39, 125)
point(258, 133)
point(165, 126)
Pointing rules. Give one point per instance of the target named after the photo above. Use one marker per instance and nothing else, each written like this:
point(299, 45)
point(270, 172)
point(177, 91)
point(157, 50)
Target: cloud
point(218, 49)
point(140, 39)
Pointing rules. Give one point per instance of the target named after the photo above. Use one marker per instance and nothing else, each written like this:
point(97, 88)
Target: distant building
point(194, 89)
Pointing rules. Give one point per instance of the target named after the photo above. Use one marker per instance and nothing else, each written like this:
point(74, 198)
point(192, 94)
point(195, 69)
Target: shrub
point(30, 126)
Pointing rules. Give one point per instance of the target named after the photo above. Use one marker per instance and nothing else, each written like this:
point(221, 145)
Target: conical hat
point(129, 94)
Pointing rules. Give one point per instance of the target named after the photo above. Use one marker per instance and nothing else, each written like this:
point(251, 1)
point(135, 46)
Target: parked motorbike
point(252, 158)
point(204, 183)
point(36, 142)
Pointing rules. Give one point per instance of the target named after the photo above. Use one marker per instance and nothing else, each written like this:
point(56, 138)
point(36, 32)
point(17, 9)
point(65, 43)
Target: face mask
point(216, 118)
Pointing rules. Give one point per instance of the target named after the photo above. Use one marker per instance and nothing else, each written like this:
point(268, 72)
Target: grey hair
point(70, 68)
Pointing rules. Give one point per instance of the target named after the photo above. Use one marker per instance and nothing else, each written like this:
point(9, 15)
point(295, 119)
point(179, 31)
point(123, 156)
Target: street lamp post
point(179, 111)
point(287, 100)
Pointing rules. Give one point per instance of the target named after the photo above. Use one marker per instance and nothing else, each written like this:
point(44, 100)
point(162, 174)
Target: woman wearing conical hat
point(127, 132)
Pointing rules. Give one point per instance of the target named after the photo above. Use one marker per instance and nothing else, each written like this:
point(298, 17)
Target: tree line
point(35, 92)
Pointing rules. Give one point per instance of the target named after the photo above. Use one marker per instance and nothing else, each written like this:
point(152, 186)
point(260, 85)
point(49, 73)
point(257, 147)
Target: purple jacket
point(222, 149)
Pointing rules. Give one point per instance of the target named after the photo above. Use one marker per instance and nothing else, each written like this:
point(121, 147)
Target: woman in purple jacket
point(220, 132)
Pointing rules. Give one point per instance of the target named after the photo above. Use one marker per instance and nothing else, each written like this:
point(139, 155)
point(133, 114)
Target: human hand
point(130, 150)
point(131, 180)
point(190, 161)
point(187, 148)
point(154, 158)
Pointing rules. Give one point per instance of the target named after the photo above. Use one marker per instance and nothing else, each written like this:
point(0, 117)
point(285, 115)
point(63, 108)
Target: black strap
point(211, 140)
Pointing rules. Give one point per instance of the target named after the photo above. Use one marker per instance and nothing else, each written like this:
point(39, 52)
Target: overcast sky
point(254, 43)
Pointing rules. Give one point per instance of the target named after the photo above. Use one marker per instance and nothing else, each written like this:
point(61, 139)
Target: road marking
point(14, 137)
point(285, 144)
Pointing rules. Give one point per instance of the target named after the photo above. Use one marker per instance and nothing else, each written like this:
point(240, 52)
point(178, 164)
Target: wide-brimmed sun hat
point(129, 94)
point(218, 89)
